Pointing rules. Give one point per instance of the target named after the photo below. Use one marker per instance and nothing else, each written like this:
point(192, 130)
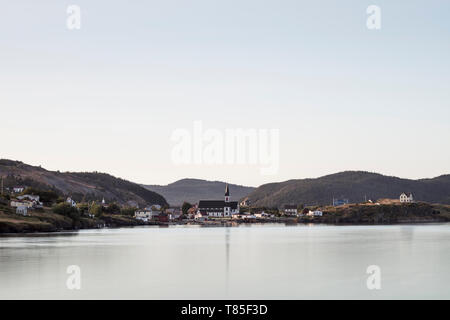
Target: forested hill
point(79, 185)
point(356, 186)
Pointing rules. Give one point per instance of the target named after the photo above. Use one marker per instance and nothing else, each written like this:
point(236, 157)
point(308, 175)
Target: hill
point(193, 190)
point(84, 186)
point(356, 186)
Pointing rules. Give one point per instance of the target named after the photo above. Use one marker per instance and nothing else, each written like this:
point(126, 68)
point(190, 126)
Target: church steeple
point(227, 194)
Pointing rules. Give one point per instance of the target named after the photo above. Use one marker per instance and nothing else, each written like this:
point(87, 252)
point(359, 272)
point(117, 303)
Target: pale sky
point(109, 96)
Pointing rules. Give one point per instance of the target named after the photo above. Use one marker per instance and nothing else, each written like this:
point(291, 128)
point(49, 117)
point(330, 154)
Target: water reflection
point(39, 235)
point(227, 258)
point(267, 262)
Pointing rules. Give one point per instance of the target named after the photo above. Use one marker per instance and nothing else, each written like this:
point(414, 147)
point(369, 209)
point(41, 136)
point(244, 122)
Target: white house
point(406, 197)
point(16, 204)
point(146, 214)
point(317, 213)
point(23, 210)
point(219, 208)
point(200, 216)
point(18, 189)
point(243, 216)
point(71, 202)
point(31, 197)
point(290, 210)
point(263, 215)
point(31, 200)
point(143, 215)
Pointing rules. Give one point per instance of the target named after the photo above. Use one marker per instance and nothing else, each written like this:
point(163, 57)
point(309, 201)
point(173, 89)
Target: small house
point(201, 215)
point(406, 197)
point(22, 210)
point(245, 202)
point(18, 189)
point(290, 210)
point(339, 202)
point(30, 197)
point(262, 215)
point(24, 203)
point(71, 202)
point(143, 215)
point(163, 217)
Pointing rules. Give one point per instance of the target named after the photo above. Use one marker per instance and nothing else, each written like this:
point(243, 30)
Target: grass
point(12, 223)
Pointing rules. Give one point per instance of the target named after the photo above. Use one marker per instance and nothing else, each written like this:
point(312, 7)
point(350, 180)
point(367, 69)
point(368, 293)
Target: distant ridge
point(84, 186)
point(193, 190)
point(356, 186)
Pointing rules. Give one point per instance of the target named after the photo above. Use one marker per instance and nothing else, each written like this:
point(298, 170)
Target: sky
point(111, 95)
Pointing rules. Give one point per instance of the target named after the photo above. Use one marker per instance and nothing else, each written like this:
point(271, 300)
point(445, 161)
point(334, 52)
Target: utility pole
point(2, 185)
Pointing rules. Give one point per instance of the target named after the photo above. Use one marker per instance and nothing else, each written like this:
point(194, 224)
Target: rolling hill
point(85, 186)
point(193, 190)
point(356, 186)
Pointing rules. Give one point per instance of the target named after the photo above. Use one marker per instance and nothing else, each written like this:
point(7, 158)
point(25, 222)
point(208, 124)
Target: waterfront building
point(219, 208)
point(290, 210)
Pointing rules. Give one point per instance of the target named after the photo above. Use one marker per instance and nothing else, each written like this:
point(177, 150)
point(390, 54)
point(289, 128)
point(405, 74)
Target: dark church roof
point(216, 204)
point(227, 191)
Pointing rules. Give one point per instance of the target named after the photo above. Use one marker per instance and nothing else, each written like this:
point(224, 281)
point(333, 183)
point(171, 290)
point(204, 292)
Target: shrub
point(128, 211)
point(96, 210)
point(113, 208)
point(67, 210)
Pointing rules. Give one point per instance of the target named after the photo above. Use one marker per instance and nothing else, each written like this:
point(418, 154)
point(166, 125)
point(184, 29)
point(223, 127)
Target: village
point(226, 210)
point(27, 202)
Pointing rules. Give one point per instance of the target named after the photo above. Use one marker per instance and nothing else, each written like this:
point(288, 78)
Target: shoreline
point(226, 223)
point(354, 214)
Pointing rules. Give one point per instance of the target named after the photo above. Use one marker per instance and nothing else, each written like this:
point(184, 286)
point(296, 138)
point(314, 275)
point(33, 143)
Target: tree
point(83, 207)
point(185, 208)
point(96, 209)
point(128, 211)
point(67, 210)
point(113, 208)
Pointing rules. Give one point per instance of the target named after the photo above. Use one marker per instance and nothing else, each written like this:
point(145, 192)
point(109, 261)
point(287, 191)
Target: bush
point(67, 210)
point(83, 208)
point(96, 210)
point(186, 206)
point(113, 208)
point(128, 211)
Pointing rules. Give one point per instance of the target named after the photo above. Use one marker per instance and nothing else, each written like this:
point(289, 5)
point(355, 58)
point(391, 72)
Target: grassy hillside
point(385, 213)
point(79, 185)
point(352, 185)
point(193, 190)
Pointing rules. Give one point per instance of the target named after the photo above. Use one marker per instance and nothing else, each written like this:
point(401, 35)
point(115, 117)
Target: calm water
point(246, 262)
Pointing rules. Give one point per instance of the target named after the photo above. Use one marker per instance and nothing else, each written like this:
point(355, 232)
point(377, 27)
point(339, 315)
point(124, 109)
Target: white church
point(218, 208)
